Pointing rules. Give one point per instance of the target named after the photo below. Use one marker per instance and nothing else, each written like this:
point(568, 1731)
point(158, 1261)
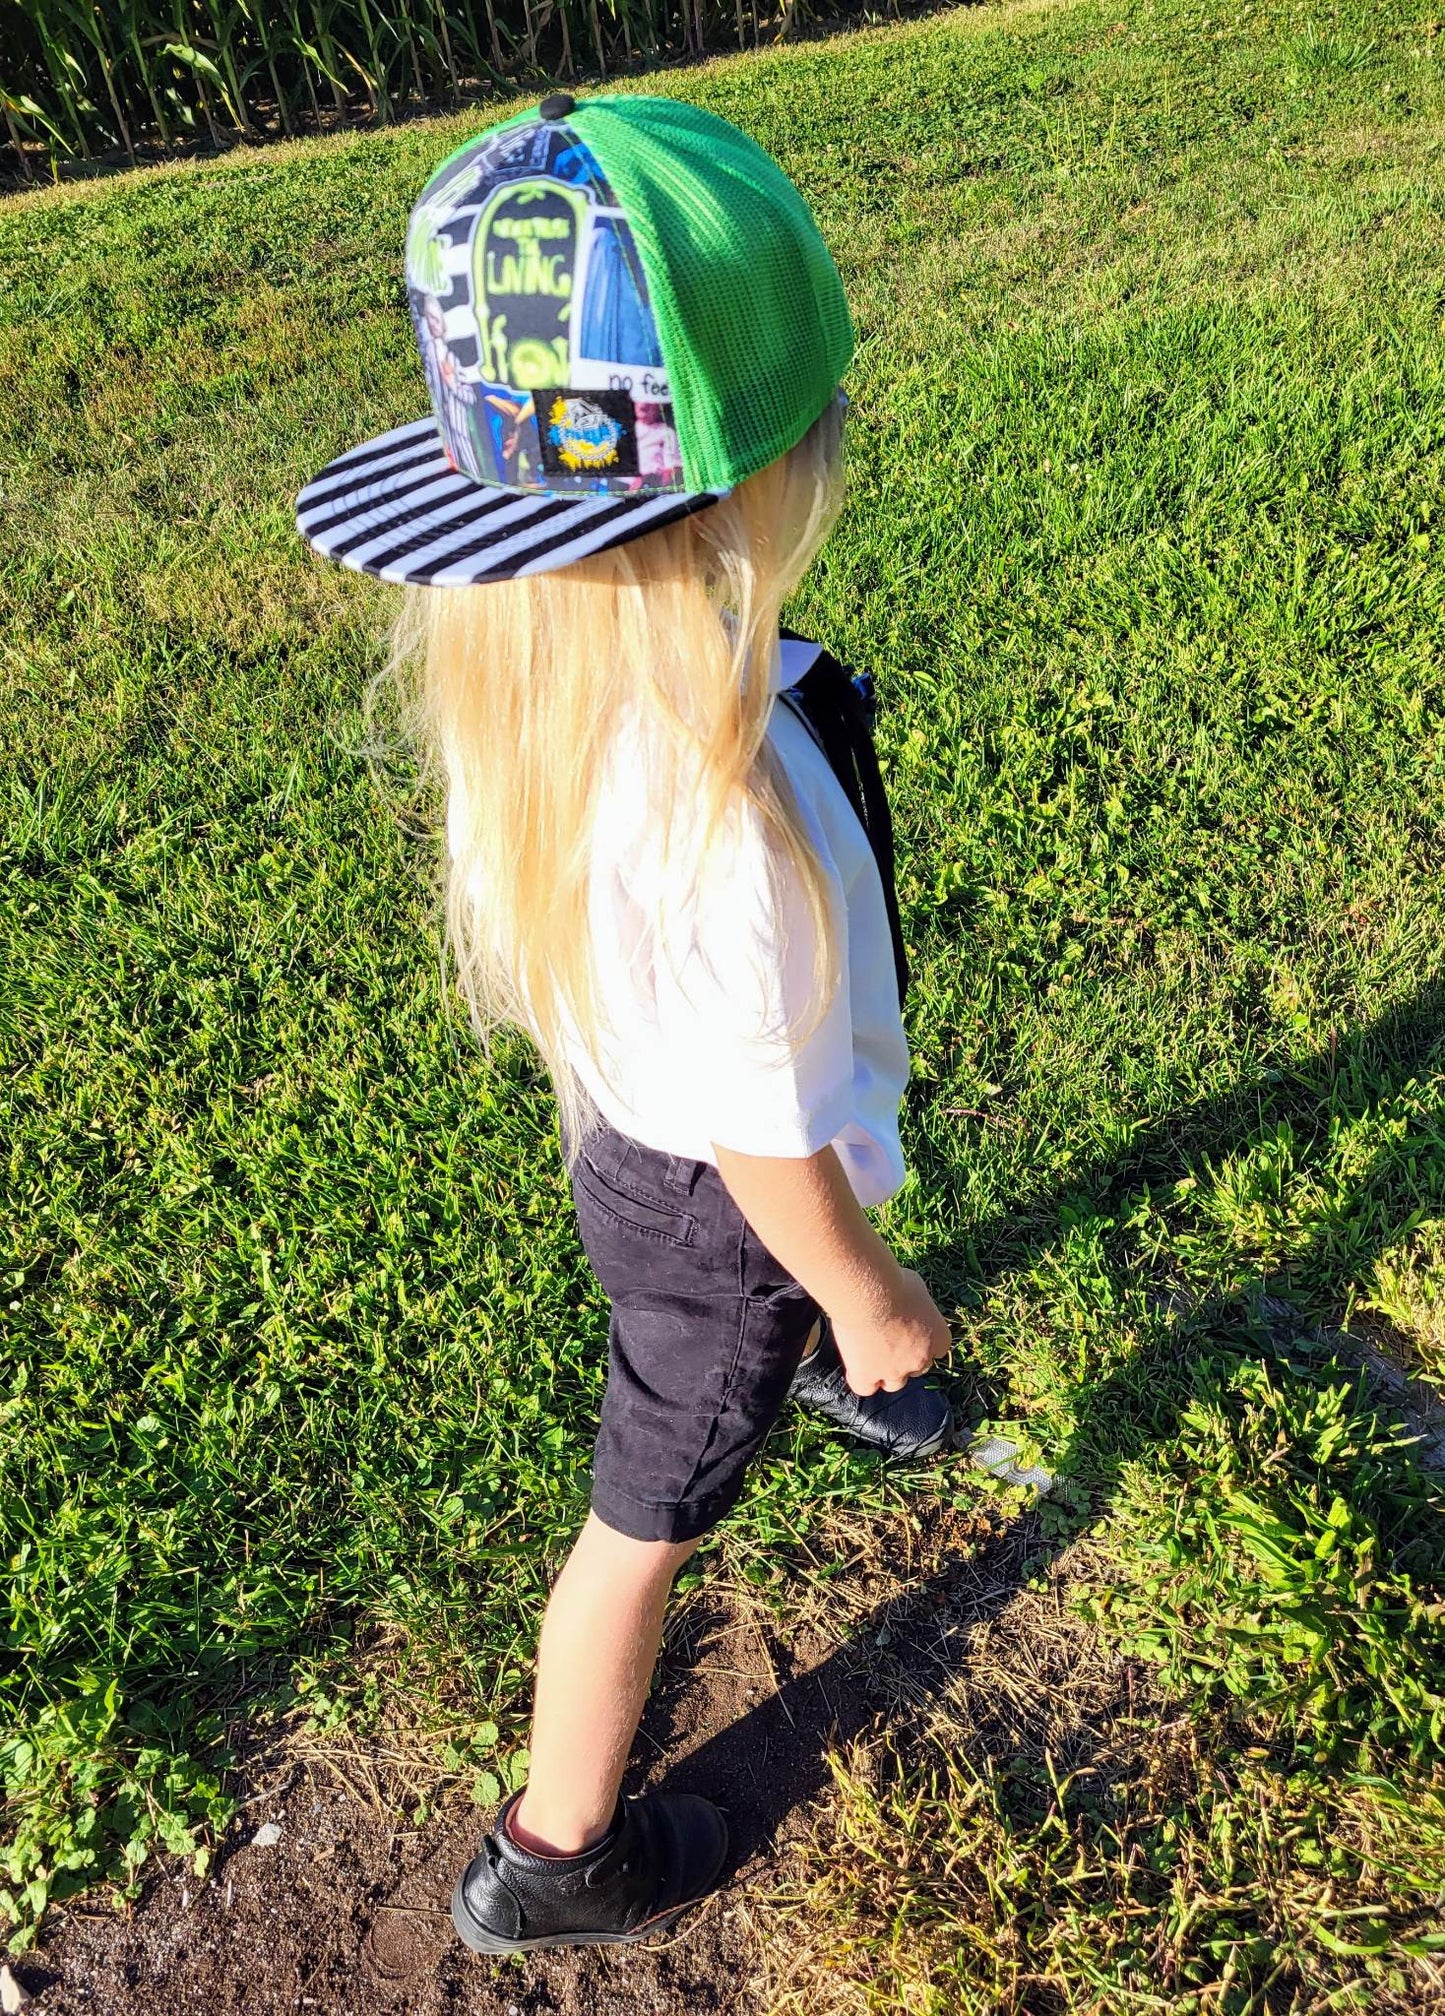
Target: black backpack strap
point(840, 709)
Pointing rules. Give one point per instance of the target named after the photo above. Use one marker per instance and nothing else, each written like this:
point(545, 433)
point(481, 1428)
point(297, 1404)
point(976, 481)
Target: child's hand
point(881, 1351)
point(886, 1325)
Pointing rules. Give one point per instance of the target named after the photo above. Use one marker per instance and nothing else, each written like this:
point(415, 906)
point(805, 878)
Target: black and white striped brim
point(395, 507)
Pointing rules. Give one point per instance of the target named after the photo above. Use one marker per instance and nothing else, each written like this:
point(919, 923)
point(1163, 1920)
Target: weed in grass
point(1407, 1284)
point(1288, 1551)
point(87, 1797)
point(1178, 1872)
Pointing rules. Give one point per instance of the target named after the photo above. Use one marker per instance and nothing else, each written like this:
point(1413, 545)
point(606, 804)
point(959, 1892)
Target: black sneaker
point(662, 1853)
point(915, 1422)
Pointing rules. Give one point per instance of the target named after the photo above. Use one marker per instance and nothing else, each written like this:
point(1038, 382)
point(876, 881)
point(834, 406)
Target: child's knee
point(639, 1560)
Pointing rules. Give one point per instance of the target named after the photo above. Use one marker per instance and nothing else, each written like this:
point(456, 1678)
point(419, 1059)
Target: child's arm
point(885, 1323)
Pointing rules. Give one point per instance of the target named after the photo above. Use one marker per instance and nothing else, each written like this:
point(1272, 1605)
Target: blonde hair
point(519, 691)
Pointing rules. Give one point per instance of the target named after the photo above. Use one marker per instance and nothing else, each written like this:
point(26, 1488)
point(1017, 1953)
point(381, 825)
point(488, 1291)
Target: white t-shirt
point(696, 1007)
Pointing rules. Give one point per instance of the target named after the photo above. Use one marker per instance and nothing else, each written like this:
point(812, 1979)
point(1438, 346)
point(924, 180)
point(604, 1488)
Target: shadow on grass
point(770, 1764)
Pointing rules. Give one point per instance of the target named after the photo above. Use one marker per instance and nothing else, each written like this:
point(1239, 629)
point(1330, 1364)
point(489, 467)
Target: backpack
point(840, 708)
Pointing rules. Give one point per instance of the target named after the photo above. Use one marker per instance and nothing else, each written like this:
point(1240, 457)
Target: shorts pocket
point(794, 1291)
point(622, 1203)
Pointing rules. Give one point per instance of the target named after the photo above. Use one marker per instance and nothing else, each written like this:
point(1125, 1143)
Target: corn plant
point(86, 78)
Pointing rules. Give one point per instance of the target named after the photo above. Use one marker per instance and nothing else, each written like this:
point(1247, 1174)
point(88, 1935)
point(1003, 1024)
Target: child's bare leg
point(597, 1651)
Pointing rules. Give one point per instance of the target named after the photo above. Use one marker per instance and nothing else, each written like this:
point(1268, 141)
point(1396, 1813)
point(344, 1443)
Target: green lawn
point(1147, 443)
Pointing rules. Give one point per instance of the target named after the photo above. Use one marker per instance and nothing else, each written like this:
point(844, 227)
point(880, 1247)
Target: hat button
point(557, 106)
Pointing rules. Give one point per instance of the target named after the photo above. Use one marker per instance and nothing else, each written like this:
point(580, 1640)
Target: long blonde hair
point(519, 690)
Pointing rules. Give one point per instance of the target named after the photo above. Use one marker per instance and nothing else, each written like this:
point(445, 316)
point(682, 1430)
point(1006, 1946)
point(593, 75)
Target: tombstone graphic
point(530, 244)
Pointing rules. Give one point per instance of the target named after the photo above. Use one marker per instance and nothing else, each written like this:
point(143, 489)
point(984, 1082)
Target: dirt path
point(347, 1912)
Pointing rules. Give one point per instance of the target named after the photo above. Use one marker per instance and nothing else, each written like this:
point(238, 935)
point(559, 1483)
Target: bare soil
point(348, 1911)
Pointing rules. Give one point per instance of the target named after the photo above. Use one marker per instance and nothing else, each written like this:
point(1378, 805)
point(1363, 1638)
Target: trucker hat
point(624, 310)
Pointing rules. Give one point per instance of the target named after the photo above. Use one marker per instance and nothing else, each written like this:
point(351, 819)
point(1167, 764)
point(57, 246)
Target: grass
point(1146, 461)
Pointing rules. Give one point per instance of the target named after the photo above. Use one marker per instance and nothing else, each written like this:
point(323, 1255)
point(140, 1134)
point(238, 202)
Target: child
point(670, 864)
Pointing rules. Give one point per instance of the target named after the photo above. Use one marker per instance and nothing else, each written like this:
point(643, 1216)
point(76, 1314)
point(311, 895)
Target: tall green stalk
point(374, 73)
point(72, 25)
point(69, 100)
point(226, 23)
point(323, 49)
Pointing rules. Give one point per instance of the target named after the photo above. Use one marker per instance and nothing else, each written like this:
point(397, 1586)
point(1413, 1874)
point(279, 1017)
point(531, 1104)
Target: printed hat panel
point(536, 331)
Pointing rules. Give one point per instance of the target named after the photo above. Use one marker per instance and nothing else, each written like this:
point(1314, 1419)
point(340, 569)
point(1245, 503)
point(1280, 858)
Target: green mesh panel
point(750, 311)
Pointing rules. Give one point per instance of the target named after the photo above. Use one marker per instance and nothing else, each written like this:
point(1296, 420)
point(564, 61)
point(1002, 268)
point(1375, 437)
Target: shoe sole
point(928, 1448)
point(481, 1941)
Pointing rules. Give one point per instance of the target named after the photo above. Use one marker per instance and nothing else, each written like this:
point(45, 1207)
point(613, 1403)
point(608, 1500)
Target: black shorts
point(707, 1331)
